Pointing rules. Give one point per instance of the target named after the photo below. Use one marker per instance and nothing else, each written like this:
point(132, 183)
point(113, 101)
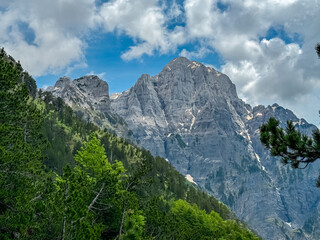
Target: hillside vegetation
point(62, 178)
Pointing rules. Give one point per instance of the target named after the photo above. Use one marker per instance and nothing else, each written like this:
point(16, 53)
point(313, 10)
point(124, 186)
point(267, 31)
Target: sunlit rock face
point(191, 115)
point(90, 92)
point(89, 98)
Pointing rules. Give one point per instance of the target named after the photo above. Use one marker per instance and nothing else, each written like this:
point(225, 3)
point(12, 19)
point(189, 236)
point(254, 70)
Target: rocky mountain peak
point(178, 61)
point(185, 65)
point(191, 115)
point(89, 92)
point(62, 82)
point(143, 80)
point(92, 84)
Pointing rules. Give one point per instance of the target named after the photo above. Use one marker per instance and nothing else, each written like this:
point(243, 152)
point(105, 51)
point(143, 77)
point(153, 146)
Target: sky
point(266, 47)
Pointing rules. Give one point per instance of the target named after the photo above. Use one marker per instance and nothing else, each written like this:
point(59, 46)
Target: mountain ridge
point(191, 115)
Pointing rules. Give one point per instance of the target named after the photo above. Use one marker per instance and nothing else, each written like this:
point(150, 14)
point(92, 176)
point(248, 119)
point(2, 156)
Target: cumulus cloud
point(146, 22)
point(265, 69)
point(274, 75)
point(100, 75)
point(50, 37)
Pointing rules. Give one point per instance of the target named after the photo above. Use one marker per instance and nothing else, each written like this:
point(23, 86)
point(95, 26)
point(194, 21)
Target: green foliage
point(89, 197)
point(89, 193)
point(294, 148)
point(24, 185)
point(318, 49)
point(181, 220)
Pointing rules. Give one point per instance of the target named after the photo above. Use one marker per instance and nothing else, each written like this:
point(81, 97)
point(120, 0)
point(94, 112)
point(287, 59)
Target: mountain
point(93, 196)
point(191, 115)
point(89, 98)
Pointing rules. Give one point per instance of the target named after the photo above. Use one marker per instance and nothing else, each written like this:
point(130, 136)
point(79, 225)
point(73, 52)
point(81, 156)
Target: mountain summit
point(191, 115)
point(89, 91)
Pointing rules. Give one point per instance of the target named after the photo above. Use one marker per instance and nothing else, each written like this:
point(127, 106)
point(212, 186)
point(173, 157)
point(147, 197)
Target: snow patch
point(196, 63)
point(218, 74)
point(258, 158)
point(289, 224)
point(115, 96)
point(169, 68)
point(192, 122)
point(190, 179)
point(259, 114)
point(246, 135)
point(248, 117)
point(300, 122)
point(189, 110)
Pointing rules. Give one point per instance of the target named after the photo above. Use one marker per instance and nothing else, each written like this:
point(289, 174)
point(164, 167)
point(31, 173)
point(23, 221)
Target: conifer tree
point(23, 183)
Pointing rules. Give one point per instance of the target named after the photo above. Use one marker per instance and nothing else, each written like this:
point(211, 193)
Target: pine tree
point(23, 182)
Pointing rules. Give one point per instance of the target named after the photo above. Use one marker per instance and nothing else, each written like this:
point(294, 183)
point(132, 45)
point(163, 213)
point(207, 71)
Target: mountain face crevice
point(191, 115)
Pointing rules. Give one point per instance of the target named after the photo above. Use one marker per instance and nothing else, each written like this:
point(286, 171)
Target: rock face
point(89, 98)
point(90, 92)
point(191, 115)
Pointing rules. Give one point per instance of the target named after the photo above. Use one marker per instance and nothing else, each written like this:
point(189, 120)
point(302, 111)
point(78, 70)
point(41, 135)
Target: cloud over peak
point(267, 46)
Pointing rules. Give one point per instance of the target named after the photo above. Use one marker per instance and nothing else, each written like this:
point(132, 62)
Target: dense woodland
point(63, 178)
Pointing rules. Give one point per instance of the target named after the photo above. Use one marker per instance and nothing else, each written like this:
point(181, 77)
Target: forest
point(63, 178)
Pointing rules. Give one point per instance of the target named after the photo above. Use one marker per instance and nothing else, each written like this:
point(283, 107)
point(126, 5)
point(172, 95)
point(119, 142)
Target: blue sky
point(266, 47)
point(103, 58)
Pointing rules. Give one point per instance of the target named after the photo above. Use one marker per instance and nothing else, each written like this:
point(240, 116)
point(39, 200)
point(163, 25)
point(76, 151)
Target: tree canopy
point(318, 49)
point(294, 148)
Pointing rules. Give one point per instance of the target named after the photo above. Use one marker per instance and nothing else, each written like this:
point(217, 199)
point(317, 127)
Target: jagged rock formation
point(89, 98)
point(191, 115)
point(89, 91)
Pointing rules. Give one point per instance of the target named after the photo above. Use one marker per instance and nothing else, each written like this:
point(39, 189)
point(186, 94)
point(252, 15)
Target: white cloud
point(145, 22)
point(141, 20)
point(199, 53)
point(100, 75)
point(273, 76)
point(54, 36)
point(55, 30)
point(264, 71)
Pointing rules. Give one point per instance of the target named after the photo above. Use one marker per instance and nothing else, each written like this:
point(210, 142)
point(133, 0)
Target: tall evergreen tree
point(22, 179)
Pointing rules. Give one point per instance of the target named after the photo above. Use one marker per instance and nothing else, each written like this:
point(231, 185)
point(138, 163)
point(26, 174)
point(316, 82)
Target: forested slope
point(62, 178)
